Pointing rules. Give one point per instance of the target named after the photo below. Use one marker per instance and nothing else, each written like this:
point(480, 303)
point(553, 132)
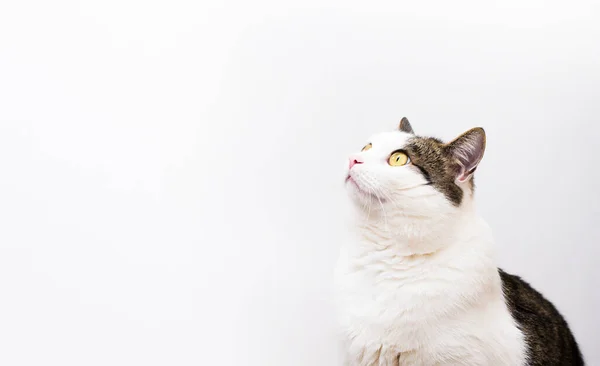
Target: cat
point(419, 285)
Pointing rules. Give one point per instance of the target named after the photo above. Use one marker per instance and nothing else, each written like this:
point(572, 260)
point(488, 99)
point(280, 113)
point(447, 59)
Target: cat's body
point(419, 285)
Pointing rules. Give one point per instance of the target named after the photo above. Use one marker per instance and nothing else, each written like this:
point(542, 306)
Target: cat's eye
point(398, 158)
point(367, 147)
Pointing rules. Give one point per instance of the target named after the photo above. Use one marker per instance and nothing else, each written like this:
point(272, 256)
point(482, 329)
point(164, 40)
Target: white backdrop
point(171, 171)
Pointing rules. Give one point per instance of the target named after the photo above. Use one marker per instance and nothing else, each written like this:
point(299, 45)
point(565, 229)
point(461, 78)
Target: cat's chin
point(359, 195)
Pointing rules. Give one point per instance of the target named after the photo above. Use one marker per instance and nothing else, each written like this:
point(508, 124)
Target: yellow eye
point(367, 147)
point(398, 159)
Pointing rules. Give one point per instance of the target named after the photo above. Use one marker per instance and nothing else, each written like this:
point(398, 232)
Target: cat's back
point(548, 337)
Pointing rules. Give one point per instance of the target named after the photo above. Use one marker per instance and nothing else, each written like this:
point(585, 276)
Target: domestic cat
point(419, 285)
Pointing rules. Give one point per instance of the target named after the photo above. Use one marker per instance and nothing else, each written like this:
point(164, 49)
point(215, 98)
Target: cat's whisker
point(384, 213)
point(369, 211)
point(399, 210)
point(390, 199)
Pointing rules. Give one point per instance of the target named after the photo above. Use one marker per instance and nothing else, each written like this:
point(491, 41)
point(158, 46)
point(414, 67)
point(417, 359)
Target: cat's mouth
point(361, 190)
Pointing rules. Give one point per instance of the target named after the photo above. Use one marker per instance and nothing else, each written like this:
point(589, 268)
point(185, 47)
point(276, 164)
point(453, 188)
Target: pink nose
point(354, 161)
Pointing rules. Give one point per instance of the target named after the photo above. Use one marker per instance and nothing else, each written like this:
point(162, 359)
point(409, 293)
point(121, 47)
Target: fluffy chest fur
point(443, 308)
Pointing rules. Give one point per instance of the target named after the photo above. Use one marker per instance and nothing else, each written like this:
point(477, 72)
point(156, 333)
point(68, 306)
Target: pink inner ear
point(465, 175)
point(468, 150)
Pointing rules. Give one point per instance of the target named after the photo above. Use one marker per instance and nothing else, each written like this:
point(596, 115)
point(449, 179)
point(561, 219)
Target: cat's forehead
point(390, 140)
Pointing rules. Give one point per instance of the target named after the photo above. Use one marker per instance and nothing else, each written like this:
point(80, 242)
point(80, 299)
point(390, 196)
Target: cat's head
point(402, 173)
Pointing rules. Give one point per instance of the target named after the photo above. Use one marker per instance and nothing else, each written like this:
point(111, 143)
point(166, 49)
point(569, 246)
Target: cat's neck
point(409, 235)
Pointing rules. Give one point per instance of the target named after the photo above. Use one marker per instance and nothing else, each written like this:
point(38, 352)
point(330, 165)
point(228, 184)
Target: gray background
point(171, 186)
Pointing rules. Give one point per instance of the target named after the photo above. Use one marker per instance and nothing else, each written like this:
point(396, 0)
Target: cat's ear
point(405, 126)
point(468, 150)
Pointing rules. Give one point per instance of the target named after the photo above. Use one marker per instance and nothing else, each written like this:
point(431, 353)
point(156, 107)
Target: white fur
point(419, 284)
